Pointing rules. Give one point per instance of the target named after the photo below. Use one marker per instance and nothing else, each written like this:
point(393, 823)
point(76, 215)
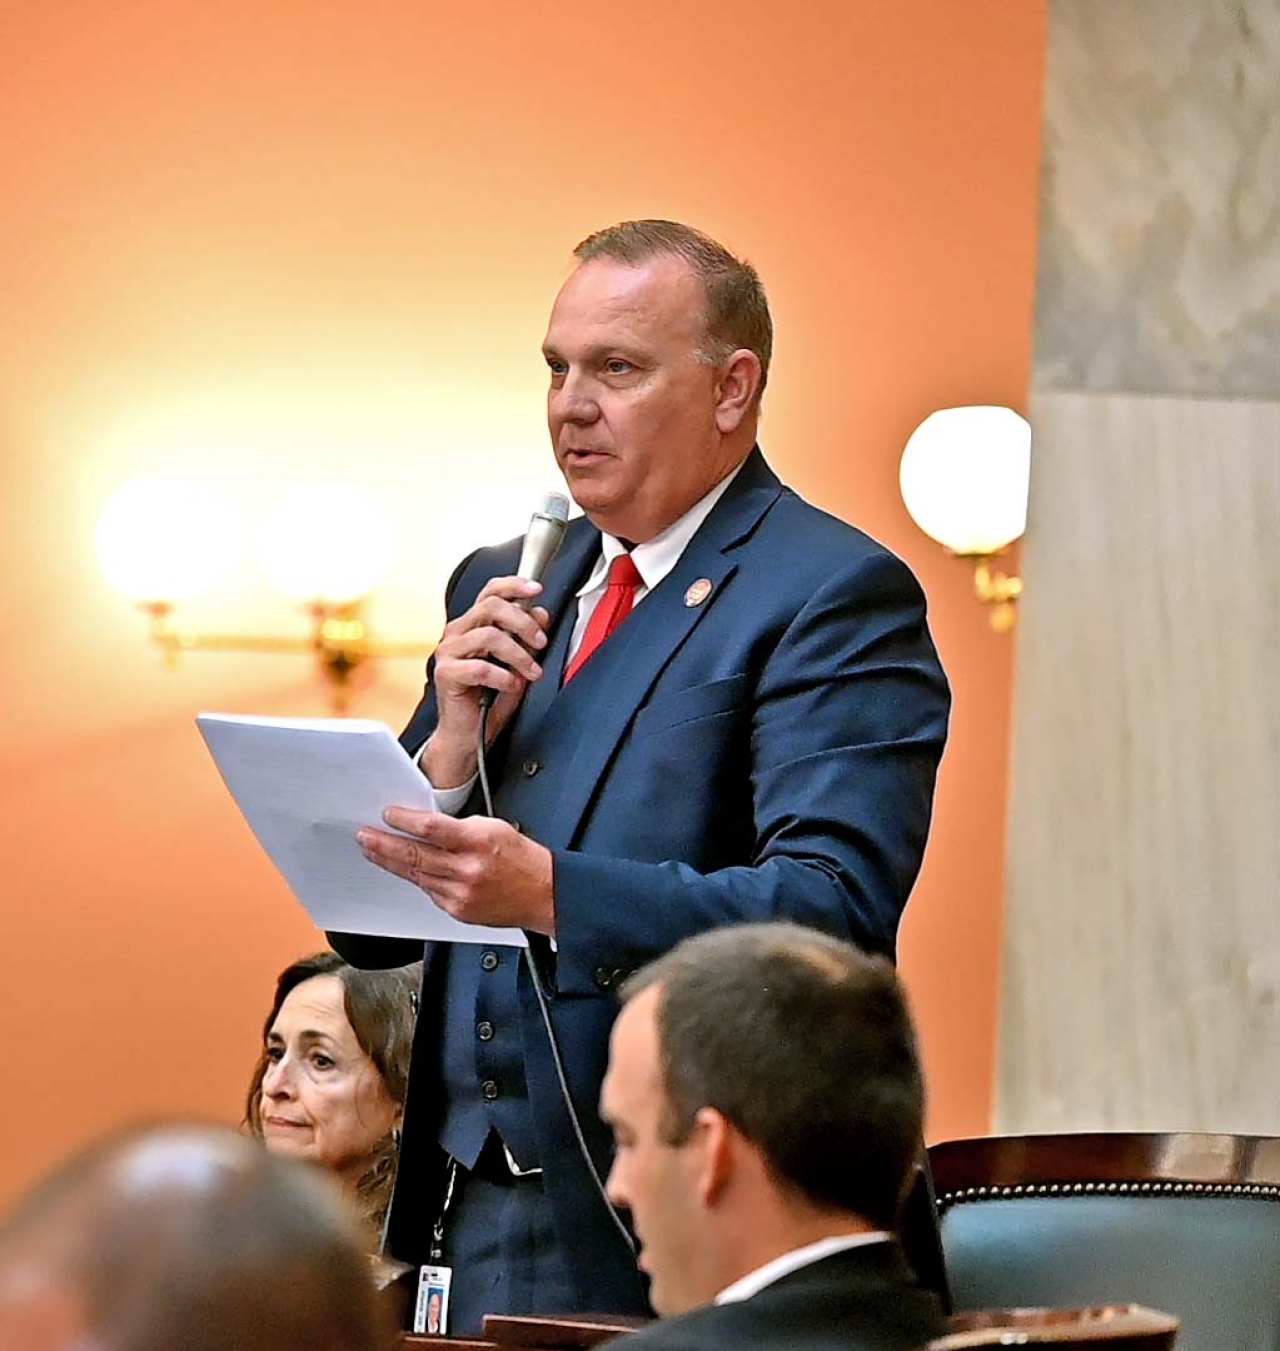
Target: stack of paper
point(305, 786)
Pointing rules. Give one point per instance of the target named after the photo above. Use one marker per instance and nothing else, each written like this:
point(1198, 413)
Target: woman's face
point(322, 1097)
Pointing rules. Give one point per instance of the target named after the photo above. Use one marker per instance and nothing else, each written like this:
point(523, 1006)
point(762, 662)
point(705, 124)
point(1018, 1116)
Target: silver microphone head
point(555, 506)
point(546, 530)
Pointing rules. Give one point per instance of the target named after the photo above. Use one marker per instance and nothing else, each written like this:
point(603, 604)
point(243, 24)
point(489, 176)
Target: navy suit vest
point(482, 1056)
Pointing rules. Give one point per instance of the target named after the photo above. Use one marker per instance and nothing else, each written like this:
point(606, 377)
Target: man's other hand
point(477, 869)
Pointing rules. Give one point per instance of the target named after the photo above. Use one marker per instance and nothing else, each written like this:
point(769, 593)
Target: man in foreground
point(766, 1103)
point(723, 706)
point(186, 1238)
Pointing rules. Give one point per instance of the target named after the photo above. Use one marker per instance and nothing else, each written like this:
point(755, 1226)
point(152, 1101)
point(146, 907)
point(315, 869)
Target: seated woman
point(330, 1082)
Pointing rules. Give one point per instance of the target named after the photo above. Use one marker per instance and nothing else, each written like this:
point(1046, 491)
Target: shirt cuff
point(449, 801)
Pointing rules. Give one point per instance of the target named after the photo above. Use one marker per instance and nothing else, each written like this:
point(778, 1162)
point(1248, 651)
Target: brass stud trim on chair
point(1041, 1189)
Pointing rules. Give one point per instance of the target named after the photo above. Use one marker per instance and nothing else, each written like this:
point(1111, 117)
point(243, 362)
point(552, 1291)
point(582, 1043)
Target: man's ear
point(737, 389)
point(713, 1140)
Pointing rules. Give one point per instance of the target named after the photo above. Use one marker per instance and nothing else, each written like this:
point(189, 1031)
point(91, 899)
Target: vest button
point(489, 1090)
point(484, 1031)
point(488, 961)
point(530, 768)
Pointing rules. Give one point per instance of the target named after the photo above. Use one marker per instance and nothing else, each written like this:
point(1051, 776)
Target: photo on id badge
point(431, 1314)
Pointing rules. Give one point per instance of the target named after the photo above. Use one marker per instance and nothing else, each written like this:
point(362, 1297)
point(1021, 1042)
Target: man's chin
point(587, 491)
point(668, 1302)
point(603, 509)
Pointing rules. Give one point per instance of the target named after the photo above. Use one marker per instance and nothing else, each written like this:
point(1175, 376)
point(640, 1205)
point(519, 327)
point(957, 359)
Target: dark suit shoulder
point(828, 565)
point(817, 531)
point(861, 1300)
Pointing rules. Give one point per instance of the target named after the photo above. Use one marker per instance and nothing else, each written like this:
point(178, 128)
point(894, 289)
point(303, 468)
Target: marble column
point(1142, 952)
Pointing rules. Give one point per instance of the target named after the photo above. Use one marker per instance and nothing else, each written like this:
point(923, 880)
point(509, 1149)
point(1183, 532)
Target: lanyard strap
point(437, 1232)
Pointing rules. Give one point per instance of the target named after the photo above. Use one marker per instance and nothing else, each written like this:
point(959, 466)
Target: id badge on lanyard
point(431, 1311)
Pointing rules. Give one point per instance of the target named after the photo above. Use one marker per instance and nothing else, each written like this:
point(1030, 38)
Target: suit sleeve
point(847, 722)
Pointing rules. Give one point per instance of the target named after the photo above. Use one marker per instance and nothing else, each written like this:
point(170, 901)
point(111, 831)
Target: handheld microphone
point(541, 541)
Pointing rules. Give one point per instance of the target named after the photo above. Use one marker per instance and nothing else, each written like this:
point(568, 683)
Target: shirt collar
point(657, 556)
point(755, 1281)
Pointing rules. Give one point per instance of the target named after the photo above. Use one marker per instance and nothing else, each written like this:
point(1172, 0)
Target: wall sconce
point(965, 476)
point(325, 548)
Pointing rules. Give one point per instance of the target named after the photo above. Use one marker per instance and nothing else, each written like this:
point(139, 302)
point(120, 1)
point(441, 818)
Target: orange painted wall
point(248, 243)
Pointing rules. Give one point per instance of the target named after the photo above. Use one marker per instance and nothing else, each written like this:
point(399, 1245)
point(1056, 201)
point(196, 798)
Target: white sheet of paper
point(305, 786)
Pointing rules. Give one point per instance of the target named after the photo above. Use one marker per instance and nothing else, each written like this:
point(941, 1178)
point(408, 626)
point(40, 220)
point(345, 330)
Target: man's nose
point(574, 401)
point(615, 1187)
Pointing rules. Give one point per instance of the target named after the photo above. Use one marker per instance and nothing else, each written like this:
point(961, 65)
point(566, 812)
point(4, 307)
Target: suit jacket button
point(530, 768)
point(488, 961)
point(484, 1030)
point(489, 1090)
point(604, 978)
point(619, 975)
point(517, 827)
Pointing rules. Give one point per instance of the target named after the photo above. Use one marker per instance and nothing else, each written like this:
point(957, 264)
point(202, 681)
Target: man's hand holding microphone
point(478, 868)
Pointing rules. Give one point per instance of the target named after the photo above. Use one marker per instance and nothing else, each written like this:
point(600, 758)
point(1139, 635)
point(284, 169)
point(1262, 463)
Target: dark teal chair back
point(1189, 1224)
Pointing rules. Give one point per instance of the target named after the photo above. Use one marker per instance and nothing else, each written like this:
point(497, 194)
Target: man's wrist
point(446, 770)
point(450, 801)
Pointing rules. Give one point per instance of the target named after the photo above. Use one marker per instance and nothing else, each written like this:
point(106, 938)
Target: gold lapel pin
point(697, 592)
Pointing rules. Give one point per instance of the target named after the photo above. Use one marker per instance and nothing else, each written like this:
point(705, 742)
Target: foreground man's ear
point(712, 1140)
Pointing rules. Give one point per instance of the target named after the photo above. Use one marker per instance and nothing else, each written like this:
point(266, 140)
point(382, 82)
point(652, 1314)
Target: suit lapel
point(618, 678)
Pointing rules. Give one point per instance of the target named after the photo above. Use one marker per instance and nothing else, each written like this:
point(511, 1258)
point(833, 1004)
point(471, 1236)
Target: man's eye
point(616, 366)
point(556, 367)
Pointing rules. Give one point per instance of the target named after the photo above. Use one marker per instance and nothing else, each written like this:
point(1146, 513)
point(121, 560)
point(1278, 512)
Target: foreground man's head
point(764, 1092)
point(185, 1237)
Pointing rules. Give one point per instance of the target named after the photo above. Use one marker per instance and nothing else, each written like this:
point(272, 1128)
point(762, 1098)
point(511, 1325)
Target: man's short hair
point(737, 310)
point(196, 1237)
point(805, 1045)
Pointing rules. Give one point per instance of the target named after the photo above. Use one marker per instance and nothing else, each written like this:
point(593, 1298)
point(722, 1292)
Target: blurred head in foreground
point(764, 1093)
point(330, 1080)
point(186, 1238)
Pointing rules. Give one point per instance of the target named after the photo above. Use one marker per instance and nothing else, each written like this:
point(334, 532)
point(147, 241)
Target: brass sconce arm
point(997, 589)
point(339, 640)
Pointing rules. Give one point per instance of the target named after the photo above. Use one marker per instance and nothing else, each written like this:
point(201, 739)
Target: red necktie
point(613, 607)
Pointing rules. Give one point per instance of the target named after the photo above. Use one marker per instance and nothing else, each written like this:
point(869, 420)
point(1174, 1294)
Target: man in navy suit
point(757, 739)
point(766, 1100)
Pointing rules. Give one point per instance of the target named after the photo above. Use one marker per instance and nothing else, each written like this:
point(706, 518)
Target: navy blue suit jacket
point(768, 753)
point(863, 1299)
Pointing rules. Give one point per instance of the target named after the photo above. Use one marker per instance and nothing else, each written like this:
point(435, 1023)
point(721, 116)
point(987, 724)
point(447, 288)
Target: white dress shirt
point(654, 559)
point(755, 1281)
